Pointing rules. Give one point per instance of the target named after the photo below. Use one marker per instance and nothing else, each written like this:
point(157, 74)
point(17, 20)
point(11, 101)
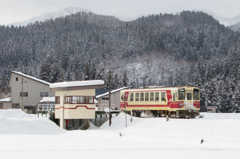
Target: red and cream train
point(178, 102)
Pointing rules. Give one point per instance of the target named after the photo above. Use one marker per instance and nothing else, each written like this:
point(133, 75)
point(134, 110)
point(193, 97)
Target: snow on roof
point(113, 91)
point(47, 99)
point(76, 83)
point(31, 77)
point(6, 100)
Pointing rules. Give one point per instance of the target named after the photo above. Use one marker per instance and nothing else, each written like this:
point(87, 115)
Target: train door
point(196, 97)
point(189, 99)
point(126, 99)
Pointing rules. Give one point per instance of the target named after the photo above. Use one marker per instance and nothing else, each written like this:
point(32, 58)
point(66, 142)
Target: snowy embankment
point(142, 138)
point(18, 122)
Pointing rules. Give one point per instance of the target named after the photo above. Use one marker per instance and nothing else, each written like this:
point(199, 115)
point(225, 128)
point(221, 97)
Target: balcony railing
point(46, 107)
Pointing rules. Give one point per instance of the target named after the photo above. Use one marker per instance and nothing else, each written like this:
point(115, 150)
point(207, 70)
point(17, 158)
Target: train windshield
point(196, 94)
point(181, 94)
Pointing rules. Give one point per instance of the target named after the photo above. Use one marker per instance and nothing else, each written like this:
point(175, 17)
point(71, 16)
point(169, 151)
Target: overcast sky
point(21, 10)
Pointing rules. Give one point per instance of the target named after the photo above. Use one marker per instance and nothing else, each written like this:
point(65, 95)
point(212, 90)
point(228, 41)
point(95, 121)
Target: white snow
point(31, 77)
point(6, 99)
point(77, 83)
point(18, 122)
point(142, 138)
point(47, 99)
point(113, 91)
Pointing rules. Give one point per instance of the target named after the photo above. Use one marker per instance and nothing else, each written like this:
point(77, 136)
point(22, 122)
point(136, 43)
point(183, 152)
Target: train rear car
point(178, 102)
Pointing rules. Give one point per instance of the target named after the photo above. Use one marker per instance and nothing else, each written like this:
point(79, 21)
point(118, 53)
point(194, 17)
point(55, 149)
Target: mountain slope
point(52, 15)
point(190, 48)
point(224, 21)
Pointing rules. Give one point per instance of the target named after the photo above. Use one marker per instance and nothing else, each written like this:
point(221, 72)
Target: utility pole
point(166, 110)
point(109, 89)
point(22, 96)
point(125, 99)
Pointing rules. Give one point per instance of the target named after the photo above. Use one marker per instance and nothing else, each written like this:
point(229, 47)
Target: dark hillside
point(189, 48)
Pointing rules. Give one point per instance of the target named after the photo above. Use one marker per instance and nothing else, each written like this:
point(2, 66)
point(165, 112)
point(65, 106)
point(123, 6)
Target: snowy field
point(25, 136)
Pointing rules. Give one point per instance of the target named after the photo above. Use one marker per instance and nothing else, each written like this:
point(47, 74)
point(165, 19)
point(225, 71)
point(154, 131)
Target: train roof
point(157, 88)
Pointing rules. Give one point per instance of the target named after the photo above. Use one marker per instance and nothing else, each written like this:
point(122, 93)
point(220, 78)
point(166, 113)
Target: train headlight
point(180, 105)
point(197, 105)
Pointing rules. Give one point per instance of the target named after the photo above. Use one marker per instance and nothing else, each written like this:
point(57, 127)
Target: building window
point(16, 78)
point(137, 97)
point(105, 98)
point(163, 96)
point(43, 94)
point(82, 99)
point(79, 100)
point(151, 96)
point(91, 100)
point(86, 99)
point(156, 96)
point(16, 106)
point(23, 94)
point(146, 97)
point(57, 100)
point(131, 97)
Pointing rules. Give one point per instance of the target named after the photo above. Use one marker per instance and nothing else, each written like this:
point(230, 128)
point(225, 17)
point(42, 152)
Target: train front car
point(189, 102)
point(180, 102)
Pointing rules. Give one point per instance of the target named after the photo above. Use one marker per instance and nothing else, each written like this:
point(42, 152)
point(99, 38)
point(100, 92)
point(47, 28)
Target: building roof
point(47, 99)
point(113, 91)
point(76, 84)
point(31, 77)
point(6, 100)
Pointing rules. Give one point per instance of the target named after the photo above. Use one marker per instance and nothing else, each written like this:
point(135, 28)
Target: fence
point(46, 107)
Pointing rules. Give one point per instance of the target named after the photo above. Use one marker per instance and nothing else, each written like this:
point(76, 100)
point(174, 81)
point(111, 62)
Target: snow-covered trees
point(203, 52)
point(45, 71)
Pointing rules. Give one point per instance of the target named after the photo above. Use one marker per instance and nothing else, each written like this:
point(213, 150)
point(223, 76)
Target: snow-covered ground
point(142, 138)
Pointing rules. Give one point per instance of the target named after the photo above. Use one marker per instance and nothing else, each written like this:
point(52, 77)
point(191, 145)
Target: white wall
point(31, 86)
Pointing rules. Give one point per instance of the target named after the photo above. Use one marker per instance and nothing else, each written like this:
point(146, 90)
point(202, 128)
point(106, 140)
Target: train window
point(189, 96)
point(131, 97)
point(122, 97)
point(142, 96)
point(137, 97)
point(156, 96)
point(146, 97)
point(163, 96)
point(181, 94)
point(196, 94)
point(151, 96)
point(173, 96)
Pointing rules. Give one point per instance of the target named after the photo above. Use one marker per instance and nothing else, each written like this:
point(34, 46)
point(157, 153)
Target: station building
point(74, 102)
point(103, 100)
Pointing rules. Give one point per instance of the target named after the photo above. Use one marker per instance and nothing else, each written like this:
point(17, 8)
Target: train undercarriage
point(162, 113)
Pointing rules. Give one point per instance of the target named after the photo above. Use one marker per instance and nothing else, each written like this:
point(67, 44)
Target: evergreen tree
point(87, 72)
point(93, 73)
point(125, 79)
point(56, 72)
point(4, 83)
point(45, 71)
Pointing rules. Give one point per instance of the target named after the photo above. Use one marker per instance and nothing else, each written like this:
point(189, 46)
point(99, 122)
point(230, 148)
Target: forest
point(185, 49)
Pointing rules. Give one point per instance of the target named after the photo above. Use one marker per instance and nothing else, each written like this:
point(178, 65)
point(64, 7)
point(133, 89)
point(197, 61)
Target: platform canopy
point(77, 85)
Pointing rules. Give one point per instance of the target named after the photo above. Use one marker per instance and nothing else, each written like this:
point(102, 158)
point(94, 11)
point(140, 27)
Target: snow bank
point(213, 124)
point(18, 122)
